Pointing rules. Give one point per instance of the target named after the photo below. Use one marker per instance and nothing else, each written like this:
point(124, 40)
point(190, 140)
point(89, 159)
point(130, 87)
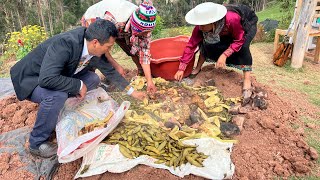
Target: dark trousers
point(51, 102)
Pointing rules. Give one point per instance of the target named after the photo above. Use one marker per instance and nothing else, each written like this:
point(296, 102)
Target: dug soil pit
point(267, 147)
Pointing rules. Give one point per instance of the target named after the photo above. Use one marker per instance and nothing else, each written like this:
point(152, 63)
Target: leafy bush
point(270, 35)
point(22, 42)
point(159, 26)
point(1, 60)
point(287, 10)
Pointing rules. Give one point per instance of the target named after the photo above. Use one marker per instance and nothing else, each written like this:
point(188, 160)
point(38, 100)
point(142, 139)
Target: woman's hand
point(221, 63)
point(179, 75)
point(151, 88)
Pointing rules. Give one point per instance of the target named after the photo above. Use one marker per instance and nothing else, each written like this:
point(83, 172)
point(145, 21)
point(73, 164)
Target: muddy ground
point(268, 145)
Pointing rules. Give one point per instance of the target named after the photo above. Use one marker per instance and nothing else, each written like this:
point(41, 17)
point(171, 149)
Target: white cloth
point(120, 9)
point(107, 158)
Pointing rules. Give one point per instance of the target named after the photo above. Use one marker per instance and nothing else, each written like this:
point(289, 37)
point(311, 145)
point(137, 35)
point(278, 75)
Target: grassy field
point(272, 12)
point(305, 80)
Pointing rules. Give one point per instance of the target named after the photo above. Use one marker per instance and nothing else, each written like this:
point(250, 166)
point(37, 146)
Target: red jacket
point(232, 27)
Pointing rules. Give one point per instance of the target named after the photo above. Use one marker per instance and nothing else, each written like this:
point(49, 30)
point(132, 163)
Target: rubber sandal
point(246, 96)
point(192, 76)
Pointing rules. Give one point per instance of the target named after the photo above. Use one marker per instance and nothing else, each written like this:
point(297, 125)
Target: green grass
point(307, 119)
point(276, 12)
point(272, 12)
point(295, 126)
point(171, 32)
point(313, 139)
point(304, 178)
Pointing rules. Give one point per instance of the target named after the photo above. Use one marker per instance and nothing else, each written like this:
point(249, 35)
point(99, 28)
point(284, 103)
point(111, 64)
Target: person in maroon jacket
point(222, 39)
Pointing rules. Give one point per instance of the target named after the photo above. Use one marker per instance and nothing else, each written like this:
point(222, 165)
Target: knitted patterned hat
point(144, 18)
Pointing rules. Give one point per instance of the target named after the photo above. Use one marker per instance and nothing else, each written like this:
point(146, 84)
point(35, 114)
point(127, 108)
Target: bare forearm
point(112, 61)
point(147, 72)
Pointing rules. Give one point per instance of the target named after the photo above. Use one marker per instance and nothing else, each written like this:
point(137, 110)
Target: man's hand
point(82, 92)
point(221, 63)
point(151, 88)
point(179, 75)
point(139, 95)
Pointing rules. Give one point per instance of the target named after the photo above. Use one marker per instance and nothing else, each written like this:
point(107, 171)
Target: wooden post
point(276, 41)
point(303, 28)
point(317, 54)
point(296, 18)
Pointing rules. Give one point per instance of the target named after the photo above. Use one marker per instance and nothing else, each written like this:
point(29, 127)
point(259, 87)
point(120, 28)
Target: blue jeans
point(51, 102)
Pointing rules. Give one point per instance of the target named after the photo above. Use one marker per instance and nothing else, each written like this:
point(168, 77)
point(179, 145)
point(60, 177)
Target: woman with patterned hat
point(222, 38)
point(134, 25)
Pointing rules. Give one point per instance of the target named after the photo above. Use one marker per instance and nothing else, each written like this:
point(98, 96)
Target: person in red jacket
point(222, 39)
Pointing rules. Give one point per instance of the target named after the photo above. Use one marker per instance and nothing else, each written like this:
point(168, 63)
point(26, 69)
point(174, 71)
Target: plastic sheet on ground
point(14, 141)
point(76, 114)
point(106, 157)
point(6, 88)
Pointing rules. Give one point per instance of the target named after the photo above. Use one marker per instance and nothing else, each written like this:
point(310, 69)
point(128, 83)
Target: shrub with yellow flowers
point(20, 43)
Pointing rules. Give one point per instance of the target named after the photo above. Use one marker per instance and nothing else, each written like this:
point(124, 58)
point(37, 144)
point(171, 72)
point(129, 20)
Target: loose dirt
point(268, 146)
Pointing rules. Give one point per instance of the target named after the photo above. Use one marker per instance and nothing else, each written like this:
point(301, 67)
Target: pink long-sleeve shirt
point(232, 28)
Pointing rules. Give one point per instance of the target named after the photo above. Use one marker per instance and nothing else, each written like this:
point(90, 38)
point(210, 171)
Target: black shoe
point(45, 150)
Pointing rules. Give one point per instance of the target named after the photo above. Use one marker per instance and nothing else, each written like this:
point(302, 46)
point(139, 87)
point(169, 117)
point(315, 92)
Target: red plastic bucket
point(165, 55)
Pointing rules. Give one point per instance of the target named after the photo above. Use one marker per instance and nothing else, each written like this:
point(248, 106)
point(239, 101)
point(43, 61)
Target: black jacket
point(52, 64)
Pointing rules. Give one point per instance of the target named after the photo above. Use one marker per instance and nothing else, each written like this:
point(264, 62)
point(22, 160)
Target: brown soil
point(268, 147)
point(15, 114)
point(9, 163)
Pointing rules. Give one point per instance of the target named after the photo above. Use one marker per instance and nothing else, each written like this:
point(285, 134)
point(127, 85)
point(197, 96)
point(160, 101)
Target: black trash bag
point(6, 88)
point(14, 141)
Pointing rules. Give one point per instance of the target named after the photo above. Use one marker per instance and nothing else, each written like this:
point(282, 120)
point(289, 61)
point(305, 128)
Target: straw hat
point(206, 13)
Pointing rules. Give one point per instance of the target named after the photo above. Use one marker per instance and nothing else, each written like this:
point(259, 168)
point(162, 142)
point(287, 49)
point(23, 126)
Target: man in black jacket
point(59, 68)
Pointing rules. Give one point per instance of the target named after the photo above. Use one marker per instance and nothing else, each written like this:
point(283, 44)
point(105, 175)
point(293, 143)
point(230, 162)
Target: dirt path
point(268, 145)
